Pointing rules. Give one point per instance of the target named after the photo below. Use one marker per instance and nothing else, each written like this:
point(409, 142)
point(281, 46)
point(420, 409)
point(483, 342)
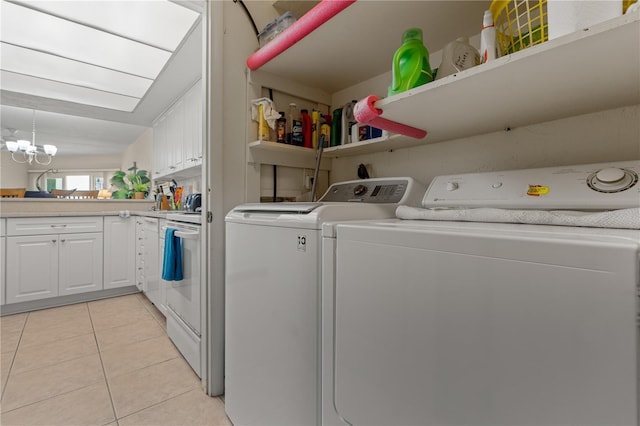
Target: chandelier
point(23, 151)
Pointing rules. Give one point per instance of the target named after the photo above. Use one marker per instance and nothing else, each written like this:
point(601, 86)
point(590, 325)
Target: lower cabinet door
point(32, 271)
point(80, 259)
point(119, 252)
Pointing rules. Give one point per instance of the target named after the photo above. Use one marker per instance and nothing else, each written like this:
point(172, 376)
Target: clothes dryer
point(443, 322)
point(273, 327)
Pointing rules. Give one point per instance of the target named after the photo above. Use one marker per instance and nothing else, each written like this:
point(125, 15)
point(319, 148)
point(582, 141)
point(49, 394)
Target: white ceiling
point(80, 129)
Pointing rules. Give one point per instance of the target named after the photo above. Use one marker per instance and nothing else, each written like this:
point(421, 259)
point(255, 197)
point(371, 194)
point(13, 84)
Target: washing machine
point(273, 324)
point(511, 298)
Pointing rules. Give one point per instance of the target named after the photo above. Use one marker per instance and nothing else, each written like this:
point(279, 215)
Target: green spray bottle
point(410, 63)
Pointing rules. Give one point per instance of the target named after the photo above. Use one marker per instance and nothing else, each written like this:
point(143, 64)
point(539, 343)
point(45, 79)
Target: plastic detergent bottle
point(315, 128)
point(410, 63)
point(281, 129)
point(336, 127)
point(306, 129)
point(294, 123)
point(324, 136)
point(263, 127)
point(457, 56)
point(348, 120)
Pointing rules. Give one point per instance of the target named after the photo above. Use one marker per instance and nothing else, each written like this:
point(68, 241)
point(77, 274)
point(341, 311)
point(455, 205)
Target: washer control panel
point(603, 186)
point(376, 190)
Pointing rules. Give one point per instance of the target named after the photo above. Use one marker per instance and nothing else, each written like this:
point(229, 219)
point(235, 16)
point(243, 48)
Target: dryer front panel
point(438, 327)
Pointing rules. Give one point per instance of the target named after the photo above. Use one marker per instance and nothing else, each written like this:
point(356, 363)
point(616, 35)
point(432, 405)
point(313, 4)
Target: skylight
point(100, 53)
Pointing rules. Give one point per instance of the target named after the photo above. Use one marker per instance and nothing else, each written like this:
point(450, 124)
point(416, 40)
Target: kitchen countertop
point(146, 213)
point(42, 207)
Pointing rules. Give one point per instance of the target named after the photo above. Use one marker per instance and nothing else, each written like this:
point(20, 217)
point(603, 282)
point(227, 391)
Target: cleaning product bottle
point(410, 63)
point(281, 129)
point(263, 127)
point(306, 129)
point(348, 120)
point(294, 126)
point(457, 56)
point(325, 132)
point(315, 128)
point(487, 38)
point(336, 127)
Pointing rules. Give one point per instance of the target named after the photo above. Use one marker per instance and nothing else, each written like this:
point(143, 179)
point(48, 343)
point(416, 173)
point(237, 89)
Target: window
point(81, 182)
point(54, 183)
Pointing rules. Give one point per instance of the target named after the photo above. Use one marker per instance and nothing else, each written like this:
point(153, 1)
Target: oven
point(185, 297)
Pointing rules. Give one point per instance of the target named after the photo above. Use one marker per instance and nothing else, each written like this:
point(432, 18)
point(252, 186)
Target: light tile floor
point(107, 362)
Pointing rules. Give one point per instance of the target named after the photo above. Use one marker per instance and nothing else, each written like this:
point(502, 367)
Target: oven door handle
point(187, 235)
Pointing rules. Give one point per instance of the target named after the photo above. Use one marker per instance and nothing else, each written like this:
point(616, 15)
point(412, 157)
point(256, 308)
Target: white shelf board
point(387, 143)
point(584, 72)
point(280, 154)
point(359, 43)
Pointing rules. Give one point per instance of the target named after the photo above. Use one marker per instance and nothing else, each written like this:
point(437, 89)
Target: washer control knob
point(612, 179)
point(452, 186)
point(359, 190)
point(496, 185)
point(610, 175)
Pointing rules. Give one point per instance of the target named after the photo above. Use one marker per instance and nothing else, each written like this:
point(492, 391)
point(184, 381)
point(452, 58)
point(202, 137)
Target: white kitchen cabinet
point(193, 126)
point(34, 267)
point(177, 135)
point(53, 256)
point(162, 296)
point(53, 225)
point(160, 151)
point(119, 251)
point(151, 256)
point(140, 254)
point(175, 140)
point(3, 260)
point(79, 263)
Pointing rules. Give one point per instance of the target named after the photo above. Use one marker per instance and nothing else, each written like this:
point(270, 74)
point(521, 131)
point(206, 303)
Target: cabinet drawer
point(53, 225)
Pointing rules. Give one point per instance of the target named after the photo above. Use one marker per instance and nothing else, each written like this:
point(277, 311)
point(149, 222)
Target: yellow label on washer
point(537, 190)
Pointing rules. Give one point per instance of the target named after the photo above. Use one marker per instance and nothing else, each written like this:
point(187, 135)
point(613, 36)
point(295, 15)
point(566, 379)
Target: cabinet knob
point(62, 241)
point(53, 241)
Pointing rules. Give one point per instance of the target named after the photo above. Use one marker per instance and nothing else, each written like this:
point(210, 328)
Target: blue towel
point(172, 263)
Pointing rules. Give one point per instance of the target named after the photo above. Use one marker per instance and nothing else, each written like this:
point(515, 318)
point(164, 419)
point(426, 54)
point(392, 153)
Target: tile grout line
point(45, 399)
point(24, 325)
point(155, 404)
point(104, 373)
point(147, 308)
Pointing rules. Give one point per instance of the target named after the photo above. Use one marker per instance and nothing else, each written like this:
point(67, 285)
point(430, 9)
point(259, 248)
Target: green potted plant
point(134, 184)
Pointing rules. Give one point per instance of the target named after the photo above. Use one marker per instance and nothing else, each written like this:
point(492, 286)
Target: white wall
point(15, 175)
point(606, 136)
point(12, 174)
point(139, 152)
point(238, 43)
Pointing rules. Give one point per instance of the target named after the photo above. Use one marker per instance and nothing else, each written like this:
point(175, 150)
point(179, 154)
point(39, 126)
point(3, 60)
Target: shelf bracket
point(366, 112)
point(311, 20)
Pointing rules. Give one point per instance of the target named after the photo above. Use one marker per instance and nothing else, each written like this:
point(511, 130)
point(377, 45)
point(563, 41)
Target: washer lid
point(282, 208)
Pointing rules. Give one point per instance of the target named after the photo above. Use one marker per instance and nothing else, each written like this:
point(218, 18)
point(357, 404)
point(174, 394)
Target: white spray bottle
point(348, 120)
point(487, 38)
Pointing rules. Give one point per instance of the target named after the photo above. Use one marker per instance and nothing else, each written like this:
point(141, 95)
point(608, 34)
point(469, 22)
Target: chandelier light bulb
point(23, 144)
point(50, 149)
point(12, 146)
